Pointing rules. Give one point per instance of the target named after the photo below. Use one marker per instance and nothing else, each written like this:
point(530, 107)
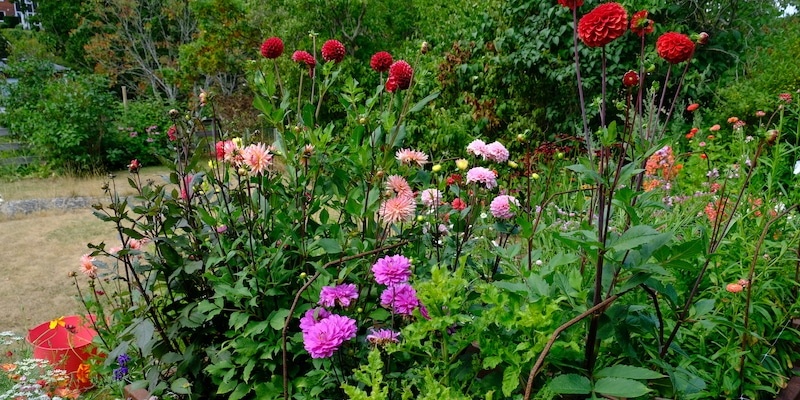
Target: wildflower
point(333, 50)
point(702, 144)
point(458, 204)
point(83, 372)
point(630, 79)
point(397, 209)
point(482, 175)
point(734, 287)
point(123, 359)
point(603, 24)
point(739, 124)
point(692, 133)
point(462, 164)
point(257, 157)
point(399, 186)
point(785, 97)
point(733, 120)
point(330, 296)
point(402, 73)
point(641, 25)
point(87, 266)
point(692, 107)
point(391, 270)
point(120, 373)
point(796, 167)
point(571, 4)
point(400, 298)
point(760, 113)
point(272, 48)
point(496, 152)
point(431, 198)
point(382, 337)
point(313, 317)
point(134, 166)
point(744, 282)
point(674, 47)
point(409, 156)
point(714, 128)
point(704, 156)
point(381, 61)
point(501, 206)
point(304, 57)
point(325, 337)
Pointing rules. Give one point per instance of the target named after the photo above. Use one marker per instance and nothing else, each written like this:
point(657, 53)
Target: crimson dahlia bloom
point(333, 50)
point(402, 72)
point(381, 61)
point(630, 79)
point(641, 25)
point(272, 48)
point(304, 57)
point(602, 25)
point(674, 47)
point(571, 4)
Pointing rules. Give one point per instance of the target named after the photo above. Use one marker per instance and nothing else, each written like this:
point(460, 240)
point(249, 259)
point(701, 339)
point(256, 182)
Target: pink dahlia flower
point(257, 157)
point(397, 209)
point(399, 186)
point(333, 50)
point(382, 337)
point(496, 152)
point(400, 298)
point(330, 296)
point(478, 148)
point(325, 337)
point(87, 266)
point(431, 198)
point(390, 270)
point(312, 317)
point(409, 156)
point(482, 175)
point(501, 206)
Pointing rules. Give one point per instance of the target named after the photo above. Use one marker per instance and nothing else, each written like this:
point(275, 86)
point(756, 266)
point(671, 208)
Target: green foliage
point(141, 133)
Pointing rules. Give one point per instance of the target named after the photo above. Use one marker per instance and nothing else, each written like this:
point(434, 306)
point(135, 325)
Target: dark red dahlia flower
point(674, 47)
point(571, 4)
point(602, 25)
point(641, 25)
point(381, 61)
point(272, 47)
point(303, 57)
point(333, 50)
point(391, 84)
point(630, 79)
point(402, 73)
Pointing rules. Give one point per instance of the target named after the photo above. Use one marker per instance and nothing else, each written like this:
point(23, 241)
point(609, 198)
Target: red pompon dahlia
point(402, 73)
point(674, 47)
point(641, 25)
point(272, 47)
point(333, 50)
point(304, 57)
point(571, 4)
point(630, 79)
point(602, 25)
point(381, 61)
point(391, 84)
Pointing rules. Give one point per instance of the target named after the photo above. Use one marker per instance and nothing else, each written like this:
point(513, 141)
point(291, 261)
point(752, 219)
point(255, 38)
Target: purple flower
point(312, 317)
point(342, 294)
point(322, 339)
point(119, 373)
point(390, 270)
point(400, 298)
point(382, 337)
point(123, 359)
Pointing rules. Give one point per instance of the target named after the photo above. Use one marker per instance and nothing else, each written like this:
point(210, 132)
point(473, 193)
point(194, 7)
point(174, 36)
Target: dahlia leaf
point(424, 102)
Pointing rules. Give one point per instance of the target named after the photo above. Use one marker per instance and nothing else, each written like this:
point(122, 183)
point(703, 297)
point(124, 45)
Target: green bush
point(139, 132)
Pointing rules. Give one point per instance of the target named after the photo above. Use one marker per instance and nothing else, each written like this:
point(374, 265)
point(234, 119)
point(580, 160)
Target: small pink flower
point(342, 295)
point(714, 128)
point(482, 175)
point(400, 298)
point(390, 270)
point(431, 198)
point(744, 282)
point(87, 266)
point(114, 250)
point(397, 209)
point(409, 156)
point(382, 337)
point(501, 206)
point(760, 113)
point(135, 244)
point(785, 97)
point(702, 144)
point(734, 287)
point(399, 186)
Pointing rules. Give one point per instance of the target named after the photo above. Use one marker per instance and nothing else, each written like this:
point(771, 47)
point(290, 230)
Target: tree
point(60, 21)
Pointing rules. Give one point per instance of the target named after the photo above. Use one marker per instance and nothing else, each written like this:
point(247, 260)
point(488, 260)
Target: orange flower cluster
point(716, 209)
point(662, 163)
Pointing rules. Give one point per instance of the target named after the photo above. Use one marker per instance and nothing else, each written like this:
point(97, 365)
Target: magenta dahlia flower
point(333, 50)
point(501, 206)
point(482, 175)
point(400, 298)
point(313, 317)
point(342, 295)
point(390, 270)
point(325, 337)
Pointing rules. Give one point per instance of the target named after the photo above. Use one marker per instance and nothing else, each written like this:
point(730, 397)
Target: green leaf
point(242, 390)
point(571, 384)
point(620, 387)
point(422, 103)
point(180, 386)
point(627, 371)
point(510, 380)
point(278, 319)
point(634, 237)
point(331, 246)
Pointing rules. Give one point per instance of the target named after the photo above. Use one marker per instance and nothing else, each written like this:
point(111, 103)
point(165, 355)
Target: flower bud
point(241, 172)
point(420, 218)
point(701, 38)
point(359, 310)
point(535, 176)
point(296, 129)
point(512, 164)
point(425, 48)
point(462, 164)
point(173, 113)
point(521, 137)
point(362, 121)
point(436, 168)
point(772, 136)
point(560, 155)
point(303, 275)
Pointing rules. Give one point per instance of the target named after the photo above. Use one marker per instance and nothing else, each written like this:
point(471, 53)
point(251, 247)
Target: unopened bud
point(513, 164)
point(242, 172)
point(462, 164)
point(535, 175)
point(362, 121)
point(436, 168)
point(303, 275)
point(420, 218)
point(425, 48)
point(772, 136)
point(173, 113)
point(520, 137)
point(560, 155)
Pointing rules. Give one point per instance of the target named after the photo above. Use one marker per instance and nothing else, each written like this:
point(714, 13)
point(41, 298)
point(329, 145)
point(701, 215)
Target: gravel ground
point(14, 208)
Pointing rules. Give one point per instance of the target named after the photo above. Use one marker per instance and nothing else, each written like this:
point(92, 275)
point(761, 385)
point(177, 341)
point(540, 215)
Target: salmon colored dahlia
point(402, 72)
point(272, 48)
point(381, 61)
point(674, 47)
point(602, 25)
point(333, 50)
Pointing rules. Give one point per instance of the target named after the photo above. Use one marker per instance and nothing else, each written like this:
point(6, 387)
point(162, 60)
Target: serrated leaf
point(510, 380)
point(627, 371)
point(571, 384)
point(620, 387)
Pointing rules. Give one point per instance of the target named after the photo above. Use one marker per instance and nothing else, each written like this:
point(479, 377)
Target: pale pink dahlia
point(478, 148)
point(400, 298)
point(397, 209)
point(257, 157)
point(390, 270)
point(399, 186)
point(312, 317)
point(431, 198)
point(482, 175)
point(501, 206)
point(382, 337)
point(87, 266)
point(324, 338)
point(496, 152)
point(232, 153)
point(409, 156)
point(330, 296)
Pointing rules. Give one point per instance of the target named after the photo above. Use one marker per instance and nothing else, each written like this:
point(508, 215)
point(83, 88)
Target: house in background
point(7, 9)
point(22, 10)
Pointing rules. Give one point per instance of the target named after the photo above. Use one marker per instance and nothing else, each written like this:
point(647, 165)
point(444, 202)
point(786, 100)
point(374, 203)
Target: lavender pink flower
point(431, 198)
point(325, 337)
point(391, 270)
point(496, 152)
point(501, 206)
point(478, 148)
point(400, 298)
point(482, 175)
point(409, 156)
point(342, 295)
